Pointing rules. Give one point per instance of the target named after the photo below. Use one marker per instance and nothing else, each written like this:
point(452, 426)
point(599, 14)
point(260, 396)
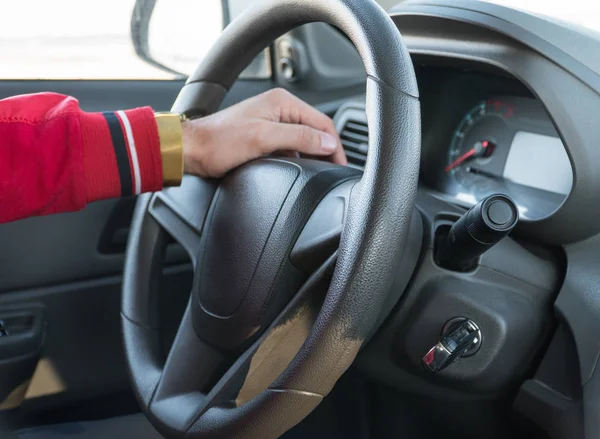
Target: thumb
point(300, 138)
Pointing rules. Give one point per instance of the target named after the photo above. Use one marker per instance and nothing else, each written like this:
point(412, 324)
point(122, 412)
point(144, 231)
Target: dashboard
point(482, 133)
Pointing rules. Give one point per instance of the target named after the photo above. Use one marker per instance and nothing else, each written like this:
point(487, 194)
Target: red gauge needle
point(480, 149)
point(467, 155)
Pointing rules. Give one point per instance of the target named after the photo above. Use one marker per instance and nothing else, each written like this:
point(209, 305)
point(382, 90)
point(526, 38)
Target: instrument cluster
point(508, 145)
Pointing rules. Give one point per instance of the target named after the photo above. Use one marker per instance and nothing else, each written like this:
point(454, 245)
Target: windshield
point(580, 12)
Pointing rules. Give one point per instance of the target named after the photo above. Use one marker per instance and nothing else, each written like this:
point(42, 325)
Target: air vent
point(355, 138)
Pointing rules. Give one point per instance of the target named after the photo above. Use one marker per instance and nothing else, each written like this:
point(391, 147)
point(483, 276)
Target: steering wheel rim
point(373, 239)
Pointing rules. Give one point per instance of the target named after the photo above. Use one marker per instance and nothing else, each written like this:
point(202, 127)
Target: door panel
point(63, 248)
point(82, 354)
point(70, 266)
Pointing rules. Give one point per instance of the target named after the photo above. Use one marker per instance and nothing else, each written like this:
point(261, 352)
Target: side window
point(109, 39)
point(176, 34)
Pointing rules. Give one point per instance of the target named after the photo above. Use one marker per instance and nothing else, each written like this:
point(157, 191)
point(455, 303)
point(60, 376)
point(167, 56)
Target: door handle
point(21, 331)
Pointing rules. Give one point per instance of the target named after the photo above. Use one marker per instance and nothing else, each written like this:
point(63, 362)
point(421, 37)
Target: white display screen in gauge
point(539, 161)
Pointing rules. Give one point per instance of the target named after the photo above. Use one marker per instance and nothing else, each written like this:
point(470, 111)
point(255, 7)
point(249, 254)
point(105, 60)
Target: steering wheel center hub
point(244, 275)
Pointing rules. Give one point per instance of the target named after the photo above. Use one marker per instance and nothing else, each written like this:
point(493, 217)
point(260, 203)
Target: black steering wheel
point(258, 346)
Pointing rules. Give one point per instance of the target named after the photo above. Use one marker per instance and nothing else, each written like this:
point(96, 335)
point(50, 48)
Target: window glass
point(179, 39)
point(85, 39)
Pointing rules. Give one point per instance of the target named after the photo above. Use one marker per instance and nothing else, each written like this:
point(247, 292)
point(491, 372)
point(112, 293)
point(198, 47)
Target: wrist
point(196, 138)
point(188, 137)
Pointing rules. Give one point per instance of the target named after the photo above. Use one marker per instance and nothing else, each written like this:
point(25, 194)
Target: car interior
point(446, 283)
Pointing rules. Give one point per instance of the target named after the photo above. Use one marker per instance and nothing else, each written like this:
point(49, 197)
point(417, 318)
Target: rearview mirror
point(174, 35)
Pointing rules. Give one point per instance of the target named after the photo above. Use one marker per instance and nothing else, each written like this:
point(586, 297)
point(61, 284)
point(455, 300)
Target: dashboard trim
point(496, 18)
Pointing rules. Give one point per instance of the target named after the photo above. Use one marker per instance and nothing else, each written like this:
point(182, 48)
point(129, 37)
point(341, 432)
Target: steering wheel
point(280, 304)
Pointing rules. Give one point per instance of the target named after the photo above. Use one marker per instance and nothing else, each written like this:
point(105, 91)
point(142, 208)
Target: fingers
point(304, 139)
point(339, 156)
point(291, 110)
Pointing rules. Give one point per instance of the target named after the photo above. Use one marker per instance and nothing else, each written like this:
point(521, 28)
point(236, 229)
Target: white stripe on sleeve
point(132, 151)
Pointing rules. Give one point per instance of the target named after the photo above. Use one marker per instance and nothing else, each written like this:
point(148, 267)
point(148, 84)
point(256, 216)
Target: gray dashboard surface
point(574, 48)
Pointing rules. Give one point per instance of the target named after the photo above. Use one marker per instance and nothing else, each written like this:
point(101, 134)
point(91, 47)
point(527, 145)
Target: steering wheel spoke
point(259, 366)
point(181, 211)
point(191, 363)
point(321, 235)
point(182, 396)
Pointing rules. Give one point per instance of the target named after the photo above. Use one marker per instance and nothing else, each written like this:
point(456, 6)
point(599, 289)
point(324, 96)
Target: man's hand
point(271, 122)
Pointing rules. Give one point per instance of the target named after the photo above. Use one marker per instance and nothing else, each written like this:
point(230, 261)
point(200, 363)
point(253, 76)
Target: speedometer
point(471, 160)
point(508, 145)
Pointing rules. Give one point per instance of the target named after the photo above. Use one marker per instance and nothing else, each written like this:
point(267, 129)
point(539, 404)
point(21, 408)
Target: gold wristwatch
point(171, 146)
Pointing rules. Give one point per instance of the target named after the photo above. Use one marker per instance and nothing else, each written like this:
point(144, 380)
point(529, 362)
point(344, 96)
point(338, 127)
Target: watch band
point(171, 146)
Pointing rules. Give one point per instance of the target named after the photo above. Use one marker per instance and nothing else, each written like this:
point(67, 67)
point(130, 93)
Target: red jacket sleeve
point(54, 157)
